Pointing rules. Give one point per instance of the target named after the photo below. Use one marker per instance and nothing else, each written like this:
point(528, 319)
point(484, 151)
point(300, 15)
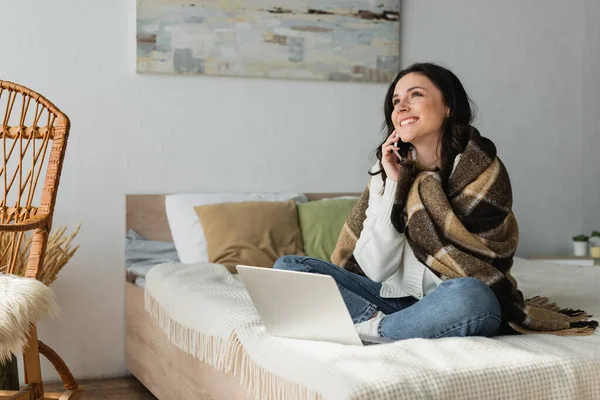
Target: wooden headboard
point(145, 213)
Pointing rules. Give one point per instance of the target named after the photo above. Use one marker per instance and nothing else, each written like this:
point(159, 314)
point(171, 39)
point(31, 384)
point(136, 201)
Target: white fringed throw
point(207, 313)
point(22, 302)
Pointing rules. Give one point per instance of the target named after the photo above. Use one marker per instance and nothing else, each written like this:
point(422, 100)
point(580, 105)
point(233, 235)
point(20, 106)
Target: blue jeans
point(458, 307)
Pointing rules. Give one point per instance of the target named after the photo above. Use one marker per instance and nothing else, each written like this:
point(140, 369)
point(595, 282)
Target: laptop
point(301, 305)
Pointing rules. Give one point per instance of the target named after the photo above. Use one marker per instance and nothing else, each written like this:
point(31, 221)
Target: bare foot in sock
point(369, 327)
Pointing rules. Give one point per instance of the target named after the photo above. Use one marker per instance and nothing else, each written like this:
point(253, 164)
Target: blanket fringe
point(585, 324)
point(229, 356)
point(571, 312)
point(261, 383)
point(573, 315)
point(542, 302)
point(572, 331)
point(578, 326)
point(208, 349)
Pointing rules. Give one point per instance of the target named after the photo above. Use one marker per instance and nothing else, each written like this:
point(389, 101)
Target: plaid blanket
point(466, 229)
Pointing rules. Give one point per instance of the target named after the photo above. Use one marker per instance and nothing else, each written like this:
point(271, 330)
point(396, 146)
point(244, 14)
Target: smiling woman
point(428, 249)
point(428, 109)
point(421, 102)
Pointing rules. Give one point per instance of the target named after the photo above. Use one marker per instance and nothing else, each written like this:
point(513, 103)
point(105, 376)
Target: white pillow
point(186, 230)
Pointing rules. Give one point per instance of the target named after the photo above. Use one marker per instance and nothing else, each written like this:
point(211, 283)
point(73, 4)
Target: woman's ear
point(447, 112)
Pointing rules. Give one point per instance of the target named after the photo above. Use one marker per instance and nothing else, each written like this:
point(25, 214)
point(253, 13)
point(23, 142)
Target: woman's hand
point(389, 158)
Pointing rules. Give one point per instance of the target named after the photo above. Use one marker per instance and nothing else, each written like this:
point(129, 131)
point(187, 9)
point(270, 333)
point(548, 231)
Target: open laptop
point(302, 305)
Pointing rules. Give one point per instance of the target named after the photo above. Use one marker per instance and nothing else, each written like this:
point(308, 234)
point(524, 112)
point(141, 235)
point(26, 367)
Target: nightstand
point(569, 260)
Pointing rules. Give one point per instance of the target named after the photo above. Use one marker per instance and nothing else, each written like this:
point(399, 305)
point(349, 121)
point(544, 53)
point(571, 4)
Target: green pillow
point(321, 222)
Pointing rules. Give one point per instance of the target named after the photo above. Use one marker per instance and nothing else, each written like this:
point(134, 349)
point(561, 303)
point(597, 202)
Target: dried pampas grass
point(58, 252)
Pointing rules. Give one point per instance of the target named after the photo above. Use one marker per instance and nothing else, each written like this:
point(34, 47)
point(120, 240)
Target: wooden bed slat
point(145, 213)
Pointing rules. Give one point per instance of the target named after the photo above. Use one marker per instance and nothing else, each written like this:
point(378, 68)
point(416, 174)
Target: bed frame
point(164, 369)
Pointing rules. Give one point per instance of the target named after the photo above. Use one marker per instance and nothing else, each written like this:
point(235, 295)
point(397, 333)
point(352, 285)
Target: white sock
point(369, 327)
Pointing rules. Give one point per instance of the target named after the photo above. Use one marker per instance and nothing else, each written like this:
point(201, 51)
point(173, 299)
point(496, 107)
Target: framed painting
point(335, 40)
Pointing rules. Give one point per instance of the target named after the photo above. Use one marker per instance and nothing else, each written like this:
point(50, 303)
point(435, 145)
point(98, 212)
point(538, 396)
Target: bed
point(177, 375)
point(230, 356)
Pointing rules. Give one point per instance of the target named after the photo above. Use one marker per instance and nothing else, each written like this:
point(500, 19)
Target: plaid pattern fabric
point(467, 229)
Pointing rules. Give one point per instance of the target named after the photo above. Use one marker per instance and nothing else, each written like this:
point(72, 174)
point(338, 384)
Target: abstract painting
point(335, 40)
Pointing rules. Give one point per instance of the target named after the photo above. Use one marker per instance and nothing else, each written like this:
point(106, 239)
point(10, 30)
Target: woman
point(427, 251)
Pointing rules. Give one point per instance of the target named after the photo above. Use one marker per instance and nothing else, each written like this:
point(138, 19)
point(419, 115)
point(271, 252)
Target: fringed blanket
point(207, 313)
point(466, 229)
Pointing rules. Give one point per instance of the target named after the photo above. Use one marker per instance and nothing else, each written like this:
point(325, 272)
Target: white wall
point(591, 119)
point(521, 61)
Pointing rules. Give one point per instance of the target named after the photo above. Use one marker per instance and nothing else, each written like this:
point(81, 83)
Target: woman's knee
point(473, 309)
point(288, 262)
point(475, 296)
point(304, 264)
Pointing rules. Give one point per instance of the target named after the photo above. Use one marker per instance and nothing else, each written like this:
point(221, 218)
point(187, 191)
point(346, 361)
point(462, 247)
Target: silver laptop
point(302, 305)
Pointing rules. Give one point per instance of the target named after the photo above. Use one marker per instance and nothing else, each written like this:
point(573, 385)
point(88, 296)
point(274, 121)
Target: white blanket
point(207, 313)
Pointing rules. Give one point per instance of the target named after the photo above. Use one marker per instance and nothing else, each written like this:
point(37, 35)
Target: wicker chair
point(33, 138)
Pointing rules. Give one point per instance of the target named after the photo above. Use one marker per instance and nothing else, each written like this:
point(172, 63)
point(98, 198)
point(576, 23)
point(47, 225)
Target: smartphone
point(396, 151)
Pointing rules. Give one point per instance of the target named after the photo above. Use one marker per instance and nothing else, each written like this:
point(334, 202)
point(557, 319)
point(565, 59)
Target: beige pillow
point(250, 233)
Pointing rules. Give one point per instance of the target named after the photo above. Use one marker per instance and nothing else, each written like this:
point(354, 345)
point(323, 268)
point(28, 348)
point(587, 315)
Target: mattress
point(207, 313)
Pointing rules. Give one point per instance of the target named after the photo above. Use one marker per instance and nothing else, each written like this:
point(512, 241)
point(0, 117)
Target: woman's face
point(419, 109)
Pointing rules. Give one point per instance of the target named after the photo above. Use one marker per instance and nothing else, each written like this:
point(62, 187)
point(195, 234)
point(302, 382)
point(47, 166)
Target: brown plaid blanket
point(466, 229)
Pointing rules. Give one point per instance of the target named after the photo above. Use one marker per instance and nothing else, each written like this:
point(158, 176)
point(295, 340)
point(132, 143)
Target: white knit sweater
point(383, 253)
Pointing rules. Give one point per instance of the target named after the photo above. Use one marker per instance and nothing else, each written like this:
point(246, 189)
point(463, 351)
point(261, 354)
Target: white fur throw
point(22, 302)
